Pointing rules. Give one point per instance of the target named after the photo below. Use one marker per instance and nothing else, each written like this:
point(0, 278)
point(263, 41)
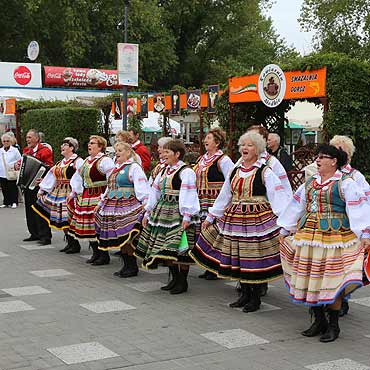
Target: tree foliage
point(341, 25)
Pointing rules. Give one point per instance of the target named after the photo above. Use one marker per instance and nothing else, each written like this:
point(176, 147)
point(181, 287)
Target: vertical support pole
point(231, 132)
point(201, 133)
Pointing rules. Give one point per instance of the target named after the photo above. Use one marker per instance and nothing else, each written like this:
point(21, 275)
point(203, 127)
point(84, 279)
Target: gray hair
point(35, 132)
point(276, 137)
point(257, 140)
point(345, 143)
point(163, 140)
point(71, 141)
point(7, 136)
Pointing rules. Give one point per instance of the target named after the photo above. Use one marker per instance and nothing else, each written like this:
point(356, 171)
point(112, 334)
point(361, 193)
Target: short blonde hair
point(258, 141)
point(127, 147)
point(345, 143)
point(102, 143)
point(123, 136)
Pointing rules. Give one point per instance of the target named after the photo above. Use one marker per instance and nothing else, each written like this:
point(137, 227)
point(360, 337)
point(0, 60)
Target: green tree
point(341, 26)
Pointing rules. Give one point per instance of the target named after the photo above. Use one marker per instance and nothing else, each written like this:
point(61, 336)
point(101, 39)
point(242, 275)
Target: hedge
point(58, 123)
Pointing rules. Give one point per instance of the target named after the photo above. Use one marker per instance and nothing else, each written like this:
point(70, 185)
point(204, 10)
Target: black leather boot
point(181, 284)
point(320, 325)
point(255, 300)
point(333, 329)
point(245, 295)
point(264, 288)
point(103, 259)
point(68, 239)
point(173, 272)
point(75, 247)
point(344, 309)
point(132, 269)
point(125, 263)
point(96, 252)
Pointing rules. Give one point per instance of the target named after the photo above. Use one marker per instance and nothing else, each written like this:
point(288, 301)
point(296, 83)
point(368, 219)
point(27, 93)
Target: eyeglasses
point(321, 156)
point(93, 142)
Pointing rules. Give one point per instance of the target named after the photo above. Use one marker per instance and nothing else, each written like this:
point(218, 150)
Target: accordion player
point(30, 170)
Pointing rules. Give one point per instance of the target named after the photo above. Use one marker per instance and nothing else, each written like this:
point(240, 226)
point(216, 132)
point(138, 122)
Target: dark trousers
point(10, 191)
point(37, 226)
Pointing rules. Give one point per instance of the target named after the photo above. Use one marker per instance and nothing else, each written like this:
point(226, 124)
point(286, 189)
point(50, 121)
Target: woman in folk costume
point(54, 190)
point(240, 238)
point(170, 218)
point(120, 211)
point(211, 169)
point(87, 184)
point(323, 261)
point(162, 163)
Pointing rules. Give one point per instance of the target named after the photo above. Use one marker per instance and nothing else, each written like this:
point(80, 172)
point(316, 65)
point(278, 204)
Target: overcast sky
point(284, 14)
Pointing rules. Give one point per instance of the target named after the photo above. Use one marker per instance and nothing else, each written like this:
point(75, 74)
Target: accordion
point(31, 169)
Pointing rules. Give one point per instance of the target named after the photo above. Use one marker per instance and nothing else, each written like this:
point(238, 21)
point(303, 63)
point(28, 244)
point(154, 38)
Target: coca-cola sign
point(22, 75)
point(81, 77)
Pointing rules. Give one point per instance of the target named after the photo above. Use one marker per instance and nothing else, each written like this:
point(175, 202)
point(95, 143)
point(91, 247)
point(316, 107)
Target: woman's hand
point(205, 224)
point(185, 225)
point(365, 243)
point(144, 222)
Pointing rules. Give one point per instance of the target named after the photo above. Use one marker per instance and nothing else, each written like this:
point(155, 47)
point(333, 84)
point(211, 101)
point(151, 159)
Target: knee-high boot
point(96, 252)
point(75, 246)
point(181, 283)
point(69, 240)
point(333, 329)
point(255, 300)
point(103, 259)
point(245, 295)
point(320, 324)
point(173, 272)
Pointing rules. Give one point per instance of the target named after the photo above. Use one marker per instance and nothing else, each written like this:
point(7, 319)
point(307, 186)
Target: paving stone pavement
point(57, 312)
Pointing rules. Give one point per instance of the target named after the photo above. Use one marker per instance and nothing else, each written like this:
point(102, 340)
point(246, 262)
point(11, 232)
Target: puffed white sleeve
point(226, 165)
point(188, 198)
point(15, 157)
point(357, 208)
point(279, 171)
point(48, 182)
point(76, 180)
point(154, 195)
point(106, 166)
point(276, 194)
point(293, 212)
point(363, 184)
point(141, 185)
point(221, 202)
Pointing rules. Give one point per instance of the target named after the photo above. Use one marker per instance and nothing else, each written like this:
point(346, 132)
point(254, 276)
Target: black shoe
point(44, 242)
point(181, 284)
point(204, 275)
point(132, 269)
point(96, 252)
point(319, 326)
point(103, 259)
point(173, 272)
point(333, 330)
point(254, 303)
point(75, 247)
point(244, 298)
point(31, 239)
point(118, 254)
point(211, 276)
point(344, 309)
point(69, 240)
point(124, 265)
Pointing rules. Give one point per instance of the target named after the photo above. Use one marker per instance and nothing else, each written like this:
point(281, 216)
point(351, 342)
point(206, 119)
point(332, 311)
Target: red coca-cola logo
point(22, 75)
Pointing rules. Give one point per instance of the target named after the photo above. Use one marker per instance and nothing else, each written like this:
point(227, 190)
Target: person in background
point(162, 163)
point(88, 183)
point(275, 149)
point(323, 259)
point(240, 237)
point(42, 140)
point(140, 149)
point(54, 189)
point(211, 169)
point(9, 156)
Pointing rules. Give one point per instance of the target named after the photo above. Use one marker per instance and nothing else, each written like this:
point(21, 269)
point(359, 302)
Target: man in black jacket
point(273, 145)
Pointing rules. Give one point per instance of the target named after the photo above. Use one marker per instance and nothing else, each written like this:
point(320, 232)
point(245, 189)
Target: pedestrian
point(88, 183)
point(323, 260)
point(170, 218)
point(240, 237)
point(54, 189)
point(9, 157)
point(278, 151)
point(211, 170)
point(119, 213)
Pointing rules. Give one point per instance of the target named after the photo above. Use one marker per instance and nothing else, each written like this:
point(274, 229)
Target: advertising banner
point(159, 103)
point(299, 85)
point(20, 75)
point(117, 108)
point(212, 98)
point(144, 100)
point(175, 103)
point(128, 64)
point(81, 77)
point(193, 99)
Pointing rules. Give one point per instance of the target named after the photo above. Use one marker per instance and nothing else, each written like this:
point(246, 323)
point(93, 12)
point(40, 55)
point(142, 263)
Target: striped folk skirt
point(316, 275)
point(243, 245)
point(160, 239)
point(52, 207)
point(118, 222)
point(81, 213)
